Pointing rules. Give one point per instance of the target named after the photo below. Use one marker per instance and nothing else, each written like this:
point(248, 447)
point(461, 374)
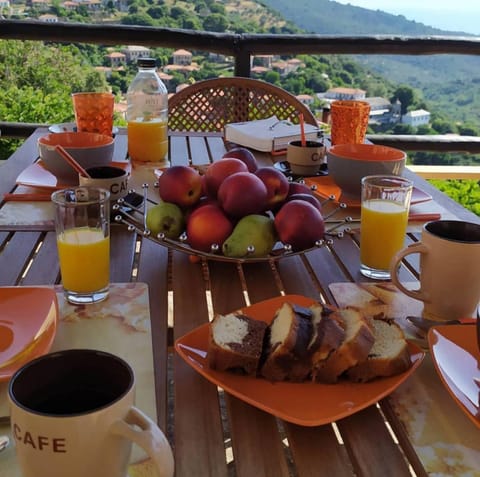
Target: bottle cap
point(146, 62)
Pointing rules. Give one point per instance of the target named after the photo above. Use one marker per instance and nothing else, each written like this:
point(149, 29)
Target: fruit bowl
point(134, 217)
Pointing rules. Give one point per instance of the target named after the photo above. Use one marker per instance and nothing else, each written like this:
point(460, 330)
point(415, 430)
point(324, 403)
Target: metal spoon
point(4, 441)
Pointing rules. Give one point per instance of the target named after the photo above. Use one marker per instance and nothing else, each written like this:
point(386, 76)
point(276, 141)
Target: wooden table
point(213, 433)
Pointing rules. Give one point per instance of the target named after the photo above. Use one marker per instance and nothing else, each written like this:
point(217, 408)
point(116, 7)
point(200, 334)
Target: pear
point(252, 230)
point(166, 218)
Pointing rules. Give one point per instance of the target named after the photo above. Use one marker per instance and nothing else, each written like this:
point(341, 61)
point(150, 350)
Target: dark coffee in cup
point(72, 382)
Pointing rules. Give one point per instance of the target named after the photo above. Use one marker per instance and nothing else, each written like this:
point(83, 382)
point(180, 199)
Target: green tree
point(215, 22)
point(406, 95)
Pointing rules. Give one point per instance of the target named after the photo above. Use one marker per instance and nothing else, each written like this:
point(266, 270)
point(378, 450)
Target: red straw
point(71, 161)
point(302, 130)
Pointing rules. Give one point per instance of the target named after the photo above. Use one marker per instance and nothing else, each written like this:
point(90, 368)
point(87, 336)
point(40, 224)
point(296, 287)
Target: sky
point(452, 15)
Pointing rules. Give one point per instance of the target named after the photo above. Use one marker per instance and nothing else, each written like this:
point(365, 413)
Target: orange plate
point(455, 352)
point(23, 313)
point(306, 404)
point(36, 175)
point(326, 187)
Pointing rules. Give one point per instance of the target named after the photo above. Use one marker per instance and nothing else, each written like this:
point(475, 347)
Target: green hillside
point(449, 82)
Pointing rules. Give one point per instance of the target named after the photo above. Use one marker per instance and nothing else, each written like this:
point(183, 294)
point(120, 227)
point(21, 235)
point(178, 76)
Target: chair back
point(210, 104)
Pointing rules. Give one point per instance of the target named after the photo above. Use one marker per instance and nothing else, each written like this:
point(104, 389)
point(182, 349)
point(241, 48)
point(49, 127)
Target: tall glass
point(349, 121)
point(94, 112)
point(383, 222)
point(82, 224)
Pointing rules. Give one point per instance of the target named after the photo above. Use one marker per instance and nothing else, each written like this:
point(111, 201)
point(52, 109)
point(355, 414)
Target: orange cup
point(349, 121)
point(94, 112)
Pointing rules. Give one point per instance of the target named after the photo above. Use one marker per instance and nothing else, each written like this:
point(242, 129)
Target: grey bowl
point(349, 163)
point(88, 149)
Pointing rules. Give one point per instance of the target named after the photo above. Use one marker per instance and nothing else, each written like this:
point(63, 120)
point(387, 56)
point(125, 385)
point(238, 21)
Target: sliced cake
point(327, 334)
point(388, 356)
point(355, 347)
point(287, 357)
point(235, 343)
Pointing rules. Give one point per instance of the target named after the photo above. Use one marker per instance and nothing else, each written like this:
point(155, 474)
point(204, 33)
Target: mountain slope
point(450, 74)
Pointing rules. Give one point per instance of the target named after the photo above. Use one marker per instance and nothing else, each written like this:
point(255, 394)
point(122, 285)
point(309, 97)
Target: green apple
point(166, 218)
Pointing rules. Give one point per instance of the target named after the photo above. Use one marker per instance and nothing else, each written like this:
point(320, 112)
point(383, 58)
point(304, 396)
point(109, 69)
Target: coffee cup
point(449, 275)
point(73, 413)
point(113, 179)
point(305, 160)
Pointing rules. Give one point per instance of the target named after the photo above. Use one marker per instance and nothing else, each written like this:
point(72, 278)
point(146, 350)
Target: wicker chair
point(209, 105)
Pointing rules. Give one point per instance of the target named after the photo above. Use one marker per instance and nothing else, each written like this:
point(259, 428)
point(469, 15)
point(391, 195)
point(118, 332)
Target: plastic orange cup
point(349, 121)
point(94, 112)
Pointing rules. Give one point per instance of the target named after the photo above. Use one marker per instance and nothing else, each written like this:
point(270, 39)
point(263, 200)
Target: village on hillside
point(382, 111)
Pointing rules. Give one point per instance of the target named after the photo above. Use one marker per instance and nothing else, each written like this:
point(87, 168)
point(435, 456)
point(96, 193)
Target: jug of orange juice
point(147, 115)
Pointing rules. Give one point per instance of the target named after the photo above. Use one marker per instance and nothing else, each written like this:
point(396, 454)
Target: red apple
point(242, 194)
point(299, 224)
point(218, 171)
point(307, 197)
point(299, 188)
point(245, 155)
point(180, 185)
point(276, 183)
point(206, 226)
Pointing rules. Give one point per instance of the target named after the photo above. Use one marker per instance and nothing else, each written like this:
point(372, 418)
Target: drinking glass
point(82, 224)
point(383, 222)
point(349, 121)
point(94, 112)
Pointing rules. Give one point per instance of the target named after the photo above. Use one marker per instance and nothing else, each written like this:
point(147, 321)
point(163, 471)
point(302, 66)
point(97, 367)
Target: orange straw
point(26, 197)
point(302, 130)
point(71, 161)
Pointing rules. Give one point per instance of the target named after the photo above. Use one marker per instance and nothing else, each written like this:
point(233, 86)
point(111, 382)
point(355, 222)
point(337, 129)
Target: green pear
point(166, 218)
point(252, 230)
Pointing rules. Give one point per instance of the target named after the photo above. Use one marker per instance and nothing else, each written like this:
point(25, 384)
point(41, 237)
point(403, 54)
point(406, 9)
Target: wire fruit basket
point(133, 215)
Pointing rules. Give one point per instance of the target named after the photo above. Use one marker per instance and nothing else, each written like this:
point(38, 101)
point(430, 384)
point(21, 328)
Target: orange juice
point(147, 140)
point(383, 228)
point(84, 255)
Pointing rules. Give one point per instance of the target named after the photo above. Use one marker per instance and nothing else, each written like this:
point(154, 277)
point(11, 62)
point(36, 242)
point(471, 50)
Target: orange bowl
point(88, 149)
point(349, 163)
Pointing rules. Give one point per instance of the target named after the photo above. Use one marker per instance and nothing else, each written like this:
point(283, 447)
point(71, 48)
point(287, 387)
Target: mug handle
point(417, 247)
point(150, 438)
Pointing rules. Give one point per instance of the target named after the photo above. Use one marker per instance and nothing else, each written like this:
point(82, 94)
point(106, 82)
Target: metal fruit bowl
point(134, 217)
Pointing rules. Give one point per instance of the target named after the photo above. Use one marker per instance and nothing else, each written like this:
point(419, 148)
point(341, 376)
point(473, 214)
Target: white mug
point(449, 269)
point(113, 179)
point(73, 414)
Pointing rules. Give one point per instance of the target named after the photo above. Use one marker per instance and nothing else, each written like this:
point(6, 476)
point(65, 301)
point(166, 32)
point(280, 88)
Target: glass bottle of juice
point(147, 114)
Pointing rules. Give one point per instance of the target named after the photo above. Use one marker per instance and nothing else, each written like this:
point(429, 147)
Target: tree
point(406, 95)
point(215, 22)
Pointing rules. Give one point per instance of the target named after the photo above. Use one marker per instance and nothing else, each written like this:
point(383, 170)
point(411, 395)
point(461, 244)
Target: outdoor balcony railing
point(243, 46)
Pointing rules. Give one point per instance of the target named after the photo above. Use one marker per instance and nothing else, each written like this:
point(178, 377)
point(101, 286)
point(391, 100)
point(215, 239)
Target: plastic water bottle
point(147, 115)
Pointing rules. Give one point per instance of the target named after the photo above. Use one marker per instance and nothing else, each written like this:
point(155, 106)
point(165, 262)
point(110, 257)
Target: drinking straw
point(26, 197)
point(302, 129)
point(71, 161)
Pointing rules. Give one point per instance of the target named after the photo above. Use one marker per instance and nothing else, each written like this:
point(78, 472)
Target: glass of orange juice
point(383, 222)
point(82, 225)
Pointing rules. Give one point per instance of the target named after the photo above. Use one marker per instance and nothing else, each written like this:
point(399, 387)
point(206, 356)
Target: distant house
point(306, 99)
point(181, 68)
point(416, 118)
point(70, 5)
point(48, 18)
point(132, 53)
point(263, 60)
point(4, 5)
point(345, 93)
point(182, 57)
point(116, 59)
point(382, 111)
